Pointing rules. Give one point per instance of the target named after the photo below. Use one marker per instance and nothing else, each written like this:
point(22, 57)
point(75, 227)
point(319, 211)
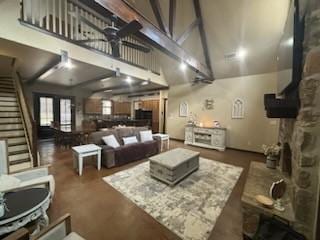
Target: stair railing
point(27, 119)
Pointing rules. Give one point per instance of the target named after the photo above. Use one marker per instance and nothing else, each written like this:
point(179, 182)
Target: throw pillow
point(111, 141)
point(146, 136)
point(130, 140)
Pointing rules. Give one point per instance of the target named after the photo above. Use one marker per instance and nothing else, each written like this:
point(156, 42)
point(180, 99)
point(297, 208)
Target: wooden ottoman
point(174, 165)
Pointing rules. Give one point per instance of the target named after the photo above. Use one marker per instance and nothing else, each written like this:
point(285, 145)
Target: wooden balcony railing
point(61, 18)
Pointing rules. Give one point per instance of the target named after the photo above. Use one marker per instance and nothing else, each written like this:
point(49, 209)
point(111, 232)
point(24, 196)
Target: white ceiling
point(30, 61)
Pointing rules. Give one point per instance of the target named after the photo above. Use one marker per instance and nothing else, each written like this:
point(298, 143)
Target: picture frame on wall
point(183, 109)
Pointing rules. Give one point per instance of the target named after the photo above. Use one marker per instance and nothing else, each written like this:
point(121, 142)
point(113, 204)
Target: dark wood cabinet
point(93, 106)
point(122, 108)
point(152, 105)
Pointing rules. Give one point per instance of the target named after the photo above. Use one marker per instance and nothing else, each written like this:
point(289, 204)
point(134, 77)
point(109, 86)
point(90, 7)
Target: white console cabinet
point(214, 138)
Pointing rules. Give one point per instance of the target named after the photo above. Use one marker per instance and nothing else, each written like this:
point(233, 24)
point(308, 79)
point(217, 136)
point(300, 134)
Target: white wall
point(246, 134)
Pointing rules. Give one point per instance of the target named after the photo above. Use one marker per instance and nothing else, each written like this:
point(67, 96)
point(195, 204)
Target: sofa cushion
point(111, 141)
point(130, 140)
point(96, 137)
point(137, 130)
point(146, 136)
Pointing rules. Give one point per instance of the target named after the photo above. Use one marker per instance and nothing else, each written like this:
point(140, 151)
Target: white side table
point(164, 138)
point(79, 152)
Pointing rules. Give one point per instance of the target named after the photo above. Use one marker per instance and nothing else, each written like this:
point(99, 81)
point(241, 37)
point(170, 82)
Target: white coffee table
point(163, 138)
point(79, 152)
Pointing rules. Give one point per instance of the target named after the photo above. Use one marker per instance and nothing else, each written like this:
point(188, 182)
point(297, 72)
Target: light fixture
point(144, 83)
point(109, 90)
point(68, 64)
point(290, 41)
point(105, 79)
point(129, 79)
point(183, 66)
point(242, 53)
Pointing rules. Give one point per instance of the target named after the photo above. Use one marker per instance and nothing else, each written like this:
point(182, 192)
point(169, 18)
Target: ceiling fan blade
point(132, 27)
point(90, 24)
point(136, 46)
point(91, 40)
point(115, 49)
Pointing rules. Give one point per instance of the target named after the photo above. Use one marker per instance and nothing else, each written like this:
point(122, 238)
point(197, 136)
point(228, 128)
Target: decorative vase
point(272, 161)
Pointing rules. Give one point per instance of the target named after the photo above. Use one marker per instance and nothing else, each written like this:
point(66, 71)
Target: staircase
point(12, 127)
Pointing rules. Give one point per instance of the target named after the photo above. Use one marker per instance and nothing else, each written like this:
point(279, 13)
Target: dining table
point(68, 136)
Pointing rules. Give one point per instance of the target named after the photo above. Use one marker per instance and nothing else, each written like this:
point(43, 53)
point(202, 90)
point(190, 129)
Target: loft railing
point(61, 19)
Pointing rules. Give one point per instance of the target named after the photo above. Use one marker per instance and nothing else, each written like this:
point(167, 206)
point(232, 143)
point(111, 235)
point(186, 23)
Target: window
point(46, 111)
point(65, 111)
point(106, 107)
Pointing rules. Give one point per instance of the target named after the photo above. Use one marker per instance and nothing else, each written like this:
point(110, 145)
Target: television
point(290, 52)
point(285, 102)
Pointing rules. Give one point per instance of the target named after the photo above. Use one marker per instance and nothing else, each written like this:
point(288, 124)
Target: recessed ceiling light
point(145, 83)
point(183, 66)
point(242, 53)
point(129, 79)
point(68, 64)
point(290, 41)
point(106, 91)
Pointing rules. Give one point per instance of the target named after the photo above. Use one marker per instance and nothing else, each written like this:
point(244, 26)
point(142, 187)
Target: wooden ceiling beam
point(47, 70)
point(172, 16)
point(96, 79)
point(197, 8)
point(140, 91)
point(154, 36)
point(180, 40)
point(155, 5)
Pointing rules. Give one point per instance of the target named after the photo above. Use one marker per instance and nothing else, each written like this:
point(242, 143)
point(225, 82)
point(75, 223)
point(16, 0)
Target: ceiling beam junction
point(197, 8)
point(181, 39)
point(172, 16)
point(155, 5)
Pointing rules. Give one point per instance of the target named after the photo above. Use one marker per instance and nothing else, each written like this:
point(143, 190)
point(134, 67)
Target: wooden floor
point(100, 212)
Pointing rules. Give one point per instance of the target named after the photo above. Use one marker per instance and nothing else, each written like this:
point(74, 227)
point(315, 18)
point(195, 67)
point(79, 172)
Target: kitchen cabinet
point(93, 106)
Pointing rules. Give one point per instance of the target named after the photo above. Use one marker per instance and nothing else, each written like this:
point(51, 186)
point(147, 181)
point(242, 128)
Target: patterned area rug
point(189, 209)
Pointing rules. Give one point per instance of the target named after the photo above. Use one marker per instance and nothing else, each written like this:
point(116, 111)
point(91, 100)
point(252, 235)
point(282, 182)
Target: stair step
point(6, 94)
point(6, 90)
point(17, 148)
point(8, 99)
point(19, 157)
point(8, 104)
point(11, 134)
point(19, 152)
point(7, 83)
point(20, 166)
point(9, 109)
point(10, 120)
point(10, 127)
point(16, 141)
point(9, 114)
point(6, 86)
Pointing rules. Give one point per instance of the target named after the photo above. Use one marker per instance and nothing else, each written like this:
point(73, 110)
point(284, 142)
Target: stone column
point(303, 134)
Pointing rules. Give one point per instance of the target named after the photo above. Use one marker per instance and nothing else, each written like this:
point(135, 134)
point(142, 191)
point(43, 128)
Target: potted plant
point(272, 152)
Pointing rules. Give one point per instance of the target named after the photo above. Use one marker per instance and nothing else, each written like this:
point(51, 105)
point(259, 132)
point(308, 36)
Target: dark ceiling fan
point(114, 35)
point(200, 79)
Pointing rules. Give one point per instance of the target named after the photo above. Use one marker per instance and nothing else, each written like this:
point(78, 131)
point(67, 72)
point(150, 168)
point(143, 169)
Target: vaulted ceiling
point(254, 25)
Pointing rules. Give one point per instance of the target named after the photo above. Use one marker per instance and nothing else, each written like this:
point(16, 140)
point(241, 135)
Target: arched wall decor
point(183, 111)
point(238, 109)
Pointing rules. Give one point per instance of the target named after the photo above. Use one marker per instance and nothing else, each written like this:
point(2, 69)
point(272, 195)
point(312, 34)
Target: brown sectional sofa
point(112, 157)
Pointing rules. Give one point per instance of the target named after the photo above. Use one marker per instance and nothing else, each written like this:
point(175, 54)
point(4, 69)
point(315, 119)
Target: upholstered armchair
point(35, 177)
